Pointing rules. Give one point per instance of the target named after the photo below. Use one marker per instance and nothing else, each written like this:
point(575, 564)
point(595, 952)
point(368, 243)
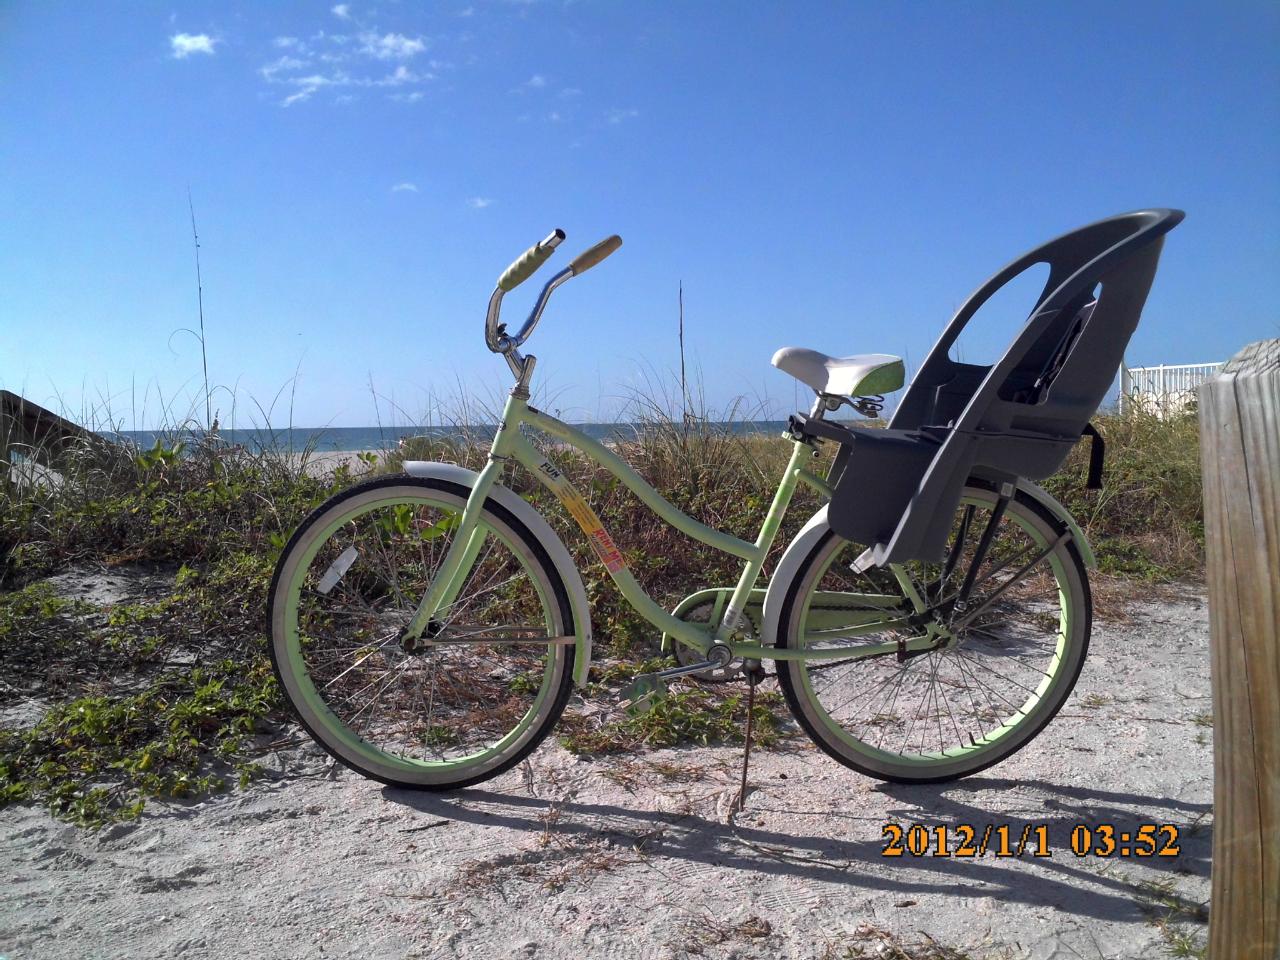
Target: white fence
point(1165, 389)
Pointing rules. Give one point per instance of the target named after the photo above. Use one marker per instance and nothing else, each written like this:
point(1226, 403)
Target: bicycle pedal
point(648, 688)
point(643, 693)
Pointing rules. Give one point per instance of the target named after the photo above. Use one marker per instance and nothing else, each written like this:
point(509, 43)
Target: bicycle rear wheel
point(991, 680)
point(468, 702)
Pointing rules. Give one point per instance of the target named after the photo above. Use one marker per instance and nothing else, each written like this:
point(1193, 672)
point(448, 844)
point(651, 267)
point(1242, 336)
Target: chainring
point(687, 656)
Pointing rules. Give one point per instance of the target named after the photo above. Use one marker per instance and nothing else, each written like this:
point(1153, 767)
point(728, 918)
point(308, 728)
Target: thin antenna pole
point(204, 357)
point(684, 389)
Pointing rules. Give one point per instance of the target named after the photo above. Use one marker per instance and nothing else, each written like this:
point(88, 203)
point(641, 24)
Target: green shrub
point(169, 697)
point(1148, 520)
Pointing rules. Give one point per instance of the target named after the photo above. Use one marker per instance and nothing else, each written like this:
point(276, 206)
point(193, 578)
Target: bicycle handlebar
point(528, 262)
point(495, 333)
point(589, 258)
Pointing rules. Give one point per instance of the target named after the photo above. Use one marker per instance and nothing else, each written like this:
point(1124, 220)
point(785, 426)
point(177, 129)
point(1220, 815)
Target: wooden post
point(1240, 444)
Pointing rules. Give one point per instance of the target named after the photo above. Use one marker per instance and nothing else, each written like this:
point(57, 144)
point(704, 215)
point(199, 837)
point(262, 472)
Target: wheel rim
point(970, 701)
point(449, 713)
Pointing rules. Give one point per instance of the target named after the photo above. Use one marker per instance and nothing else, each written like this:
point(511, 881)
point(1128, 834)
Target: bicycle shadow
point(1060, 880)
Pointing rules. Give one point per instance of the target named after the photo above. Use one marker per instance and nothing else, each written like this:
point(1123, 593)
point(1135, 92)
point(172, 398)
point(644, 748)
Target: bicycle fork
point(461, 555)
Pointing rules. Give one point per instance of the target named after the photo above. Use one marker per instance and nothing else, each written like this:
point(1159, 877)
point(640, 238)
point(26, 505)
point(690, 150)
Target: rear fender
point(795, 554)
point(817, 526)
point(1051, 503)
point(556, 550)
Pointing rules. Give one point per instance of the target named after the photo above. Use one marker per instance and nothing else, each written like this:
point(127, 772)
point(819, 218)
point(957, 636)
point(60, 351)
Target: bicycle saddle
point(867, 374)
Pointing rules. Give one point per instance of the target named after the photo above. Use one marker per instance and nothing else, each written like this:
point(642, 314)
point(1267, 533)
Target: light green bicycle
point(428, 627)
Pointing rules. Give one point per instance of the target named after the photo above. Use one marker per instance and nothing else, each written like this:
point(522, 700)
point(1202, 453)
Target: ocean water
point(349, 439)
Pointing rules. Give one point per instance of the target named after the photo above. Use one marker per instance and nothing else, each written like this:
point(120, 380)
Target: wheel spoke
point(481, 689)
point(966, 702)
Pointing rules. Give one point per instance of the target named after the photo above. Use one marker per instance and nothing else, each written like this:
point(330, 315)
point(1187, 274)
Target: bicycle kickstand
point(754, 674)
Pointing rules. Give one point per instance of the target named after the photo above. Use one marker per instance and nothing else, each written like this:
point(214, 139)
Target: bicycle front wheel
point(991, 674)
point(470, 700)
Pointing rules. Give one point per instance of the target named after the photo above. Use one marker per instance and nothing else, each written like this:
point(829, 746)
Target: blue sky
point(839, 176)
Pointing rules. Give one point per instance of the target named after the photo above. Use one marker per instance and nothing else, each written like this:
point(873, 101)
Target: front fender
point(541, 530)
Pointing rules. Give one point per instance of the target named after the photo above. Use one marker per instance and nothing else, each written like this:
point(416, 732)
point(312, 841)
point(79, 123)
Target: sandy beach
point(639, 857)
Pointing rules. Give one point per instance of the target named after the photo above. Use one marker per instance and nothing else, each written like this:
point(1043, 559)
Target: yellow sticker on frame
point(586, 518)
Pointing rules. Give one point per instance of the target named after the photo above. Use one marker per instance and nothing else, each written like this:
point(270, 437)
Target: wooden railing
point(29, 432)
point(1240, 448)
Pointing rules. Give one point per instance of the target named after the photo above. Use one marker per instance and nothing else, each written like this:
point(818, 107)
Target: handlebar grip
point(528, 262)
point(589, 258)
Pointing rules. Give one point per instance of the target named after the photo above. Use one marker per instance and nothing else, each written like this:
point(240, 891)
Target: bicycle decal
point(585, 517)
point(606, 549)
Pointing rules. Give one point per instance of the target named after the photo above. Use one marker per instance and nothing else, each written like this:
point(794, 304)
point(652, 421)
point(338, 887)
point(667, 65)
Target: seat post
point(822, 404)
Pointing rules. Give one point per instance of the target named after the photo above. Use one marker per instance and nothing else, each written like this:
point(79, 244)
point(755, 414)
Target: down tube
point(577, 507)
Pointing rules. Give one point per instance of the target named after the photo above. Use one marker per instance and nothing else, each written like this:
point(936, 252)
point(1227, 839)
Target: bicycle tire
point(297, 669)
point(850, 741)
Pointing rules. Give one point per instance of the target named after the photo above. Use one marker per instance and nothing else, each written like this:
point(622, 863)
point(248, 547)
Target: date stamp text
point(1029, 839)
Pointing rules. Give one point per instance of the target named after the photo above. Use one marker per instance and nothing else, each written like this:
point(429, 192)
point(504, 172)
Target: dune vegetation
point(169, 693)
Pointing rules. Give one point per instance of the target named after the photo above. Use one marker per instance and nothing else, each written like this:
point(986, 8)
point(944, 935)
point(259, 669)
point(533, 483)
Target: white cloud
point(568, 92)
point(349, 60)
point(307, 86)
point(344, 98)
point(391, 46)
point(616, 115)
point(405, 188)
point(318, 80)
point(536, 82)
point(554, 116)
point(402, 76)
point(185, 44)
point(284, 63)
point(466, 11)
point(479, 203)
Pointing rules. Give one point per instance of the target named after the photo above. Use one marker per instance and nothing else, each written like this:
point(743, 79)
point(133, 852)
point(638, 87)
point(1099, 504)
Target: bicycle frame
point(509, 444)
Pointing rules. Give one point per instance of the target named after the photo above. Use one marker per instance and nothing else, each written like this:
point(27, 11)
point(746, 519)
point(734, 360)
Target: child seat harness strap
point(1097, 452)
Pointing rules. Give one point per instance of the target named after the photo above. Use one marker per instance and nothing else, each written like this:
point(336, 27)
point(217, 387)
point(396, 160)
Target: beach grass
point(170, 694)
